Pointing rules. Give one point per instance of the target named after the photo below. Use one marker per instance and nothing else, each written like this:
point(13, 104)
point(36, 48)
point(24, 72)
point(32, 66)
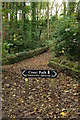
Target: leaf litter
point(39, 103)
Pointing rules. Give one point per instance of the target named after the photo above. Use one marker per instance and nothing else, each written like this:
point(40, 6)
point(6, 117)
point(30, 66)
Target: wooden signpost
point(39, 74)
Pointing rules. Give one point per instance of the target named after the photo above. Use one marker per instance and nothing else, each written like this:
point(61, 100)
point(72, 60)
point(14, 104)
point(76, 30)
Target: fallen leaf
point(62, 51)
point(15, 84)
point(10, 110)
point(43, 95)
point(14, 95)
point(35, 109)
point(63, 109)
point(62, 114)
point(11, 88)
point(66, 91)
point(22, 101)
point(5, 77)
point(75, 94)
point(7, 85)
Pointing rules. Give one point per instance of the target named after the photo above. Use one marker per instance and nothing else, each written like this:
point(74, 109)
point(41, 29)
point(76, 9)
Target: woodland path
point(39, 102)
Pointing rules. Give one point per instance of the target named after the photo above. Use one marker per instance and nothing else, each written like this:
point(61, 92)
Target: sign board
point(39, 73)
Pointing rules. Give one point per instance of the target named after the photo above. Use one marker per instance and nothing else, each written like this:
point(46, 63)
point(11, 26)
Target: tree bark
point(5, 6)
point(51, 10)
point(12, 13)
point(33, 27)
point(37, 15)
point(23, 16)
point(64, 9)
point(78, 12)
point(16, 12)
point(71, 7)
point(47, 20)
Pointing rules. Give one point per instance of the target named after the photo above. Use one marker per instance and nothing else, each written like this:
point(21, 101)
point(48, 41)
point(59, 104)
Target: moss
point(63, 68)
point(23, 55)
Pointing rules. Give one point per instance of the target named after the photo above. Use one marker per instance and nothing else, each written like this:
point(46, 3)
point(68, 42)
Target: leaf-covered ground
point(39, 103)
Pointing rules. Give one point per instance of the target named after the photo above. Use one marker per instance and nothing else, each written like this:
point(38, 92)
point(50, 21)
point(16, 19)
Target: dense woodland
point(41, 36)
point(27, 26)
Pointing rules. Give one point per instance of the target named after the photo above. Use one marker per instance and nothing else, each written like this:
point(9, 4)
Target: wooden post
point(27, 86)
point(52, 88)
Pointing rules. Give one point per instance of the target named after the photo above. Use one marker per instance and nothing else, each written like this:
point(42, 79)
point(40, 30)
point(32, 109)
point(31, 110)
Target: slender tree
point(16, 12)
point(64, 3)
point(37, 14)
point(52, 8)
point(12, 12)
point(47, 20)
point(5, 7)
point(33, 23)
point(23, 16)
point(71, 7)
point(78, 12)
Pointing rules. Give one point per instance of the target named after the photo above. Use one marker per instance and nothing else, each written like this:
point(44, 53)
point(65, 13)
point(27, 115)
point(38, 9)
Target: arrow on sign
point(39, 73)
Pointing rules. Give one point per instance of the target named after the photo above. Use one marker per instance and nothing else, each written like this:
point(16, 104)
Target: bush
point(18, 38)
point(67, 41)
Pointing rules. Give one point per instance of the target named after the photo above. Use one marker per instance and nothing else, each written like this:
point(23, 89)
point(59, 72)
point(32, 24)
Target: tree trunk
point(52, 8)
point(23, 11)
point(71, 7)
point(16, 12)
point(5, 6)
point(47, 20)
point(56, 12)
point(33, 27)
point(11, 13)
point(40, 28)
point(23, 16)
point(64, 9)
point(78, 12)
point(37, 15)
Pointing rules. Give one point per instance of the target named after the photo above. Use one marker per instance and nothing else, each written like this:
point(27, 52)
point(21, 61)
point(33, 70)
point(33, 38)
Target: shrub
point(67, 41)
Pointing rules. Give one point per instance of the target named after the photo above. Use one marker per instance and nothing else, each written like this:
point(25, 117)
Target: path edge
point(23, 55)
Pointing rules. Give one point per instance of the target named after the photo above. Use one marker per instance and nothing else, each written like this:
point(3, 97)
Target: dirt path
point(39, 102)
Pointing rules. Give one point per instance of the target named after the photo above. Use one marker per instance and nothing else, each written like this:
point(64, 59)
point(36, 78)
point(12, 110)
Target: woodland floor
point(39, 103)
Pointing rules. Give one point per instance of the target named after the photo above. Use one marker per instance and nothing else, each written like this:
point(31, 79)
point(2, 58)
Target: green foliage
point(30, 30)
point(10, 59)
point(67, 41)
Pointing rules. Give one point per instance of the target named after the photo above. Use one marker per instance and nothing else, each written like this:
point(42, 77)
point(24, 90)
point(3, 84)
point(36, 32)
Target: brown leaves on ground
point(39, 103)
